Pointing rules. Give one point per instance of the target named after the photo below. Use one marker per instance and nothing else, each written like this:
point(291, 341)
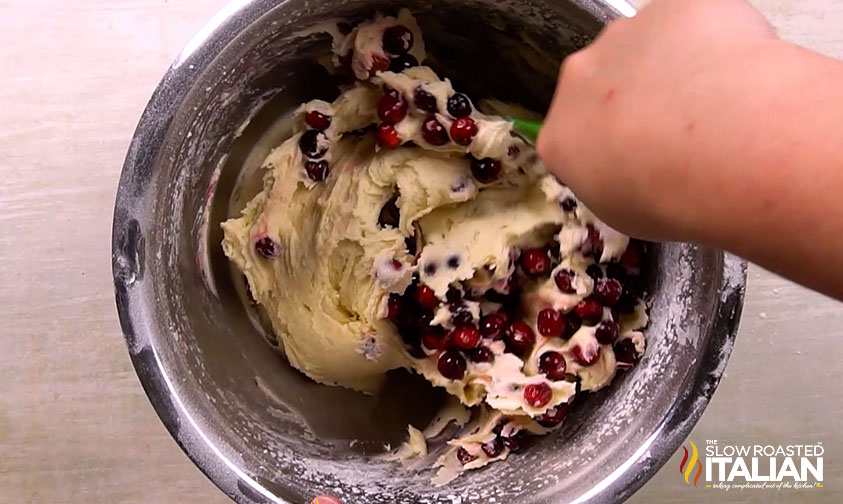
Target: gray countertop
point(75, 425)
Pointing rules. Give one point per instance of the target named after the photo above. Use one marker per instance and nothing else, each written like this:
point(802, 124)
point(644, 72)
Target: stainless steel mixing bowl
point(263, 432)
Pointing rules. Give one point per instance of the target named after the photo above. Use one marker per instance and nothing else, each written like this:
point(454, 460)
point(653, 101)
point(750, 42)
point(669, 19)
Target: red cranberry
point(463, 130)
point(267, 247)
point(565, 281)
point(388, 137)
point(595, 244)
point(460, 314)
point(451, 365)
point(554, 416)
point(391, 107)
point(400, 63)
point(538, 395)
point(465, 337)
point(550, 323)
point(595, 272)
point(433, 132)
point(454, 295)
point(459, 105)
point(316, 170)
point(394, 306)
point(313, 144)
point(485, 170)
point(480, 354)
point(569, 204)
point(493, 448)
point(435, 338)
point(631, 257)
point(606, 332)
point(493, 325)
point(426, 298)
point(586, 356)
point(625, 352)
point(519, 338)
point(535, 261)
point(616, 271)
point(517, 441)
point(397, 39)
point(608, 291)
point(464, 457)
point(552, 365)
point(572, 325)
point(424, 100)
point(317, 120)
point(589, 311)
point(379, 64)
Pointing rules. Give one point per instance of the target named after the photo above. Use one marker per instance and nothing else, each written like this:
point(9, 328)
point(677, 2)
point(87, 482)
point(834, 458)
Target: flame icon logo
point(687, 470)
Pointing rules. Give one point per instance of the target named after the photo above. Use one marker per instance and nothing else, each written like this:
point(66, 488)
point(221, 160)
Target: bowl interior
point(264, 432)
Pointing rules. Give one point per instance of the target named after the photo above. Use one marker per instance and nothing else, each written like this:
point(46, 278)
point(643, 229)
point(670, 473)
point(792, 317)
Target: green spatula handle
point(528, 128)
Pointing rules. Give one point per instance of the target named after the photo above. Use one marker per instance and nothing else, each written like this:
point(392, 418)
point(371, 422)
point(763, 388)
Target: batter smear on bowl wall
point(400, 226)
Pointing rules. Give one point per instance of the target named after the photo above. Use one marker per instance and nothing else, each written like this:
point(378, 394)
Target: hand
point(642, 116)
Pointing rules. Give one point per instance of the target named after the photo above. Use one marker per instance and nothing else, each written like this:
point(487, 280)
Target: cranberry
point(391, 107)
point(595, 272)
point(493, 325)
point(451, 365)
point(313, 144)
point(519, 338)
point(535, 261)
point(465, 337)
point(569, 204)
point(462, 316)
point(459, 105)
point(316, 170)
point(617, 272)
point(480, 354)
point(267, 247)
point(606, 332)
point(595, 244)
point(426, 298)
point(586, 356)
point(608, 291)
point(552, 365)
point(433, 132)
point(550, 323)
point(631, 257)
point(554, 416)
point(453, 295)
point(388, 137)
point(424, 100)
point(400, 63)
point(317, 120)
point(538, 395)
point(423, 319)
point(464, 457)
point(394, 306)
point(589, 311)
point(463, 130)
point(572, 325)
point(397, 39)
point(565, 281)
point(625, 352)
point(486, 170)
point(379, 64)
point(493, 448)
point(517, 441)
point(435, 338)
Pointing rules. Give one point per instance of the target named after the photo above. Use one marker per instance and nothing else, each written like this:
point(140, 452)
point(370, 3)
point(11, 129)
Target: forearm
point(777, 194)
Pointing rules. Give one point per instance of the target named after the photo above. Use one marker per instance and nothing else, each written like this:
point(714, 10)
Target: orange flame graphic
point(687, 471)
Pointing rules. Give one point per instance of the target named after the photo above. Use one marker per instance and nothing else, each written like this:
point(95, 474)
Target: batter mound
point(402, 227)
